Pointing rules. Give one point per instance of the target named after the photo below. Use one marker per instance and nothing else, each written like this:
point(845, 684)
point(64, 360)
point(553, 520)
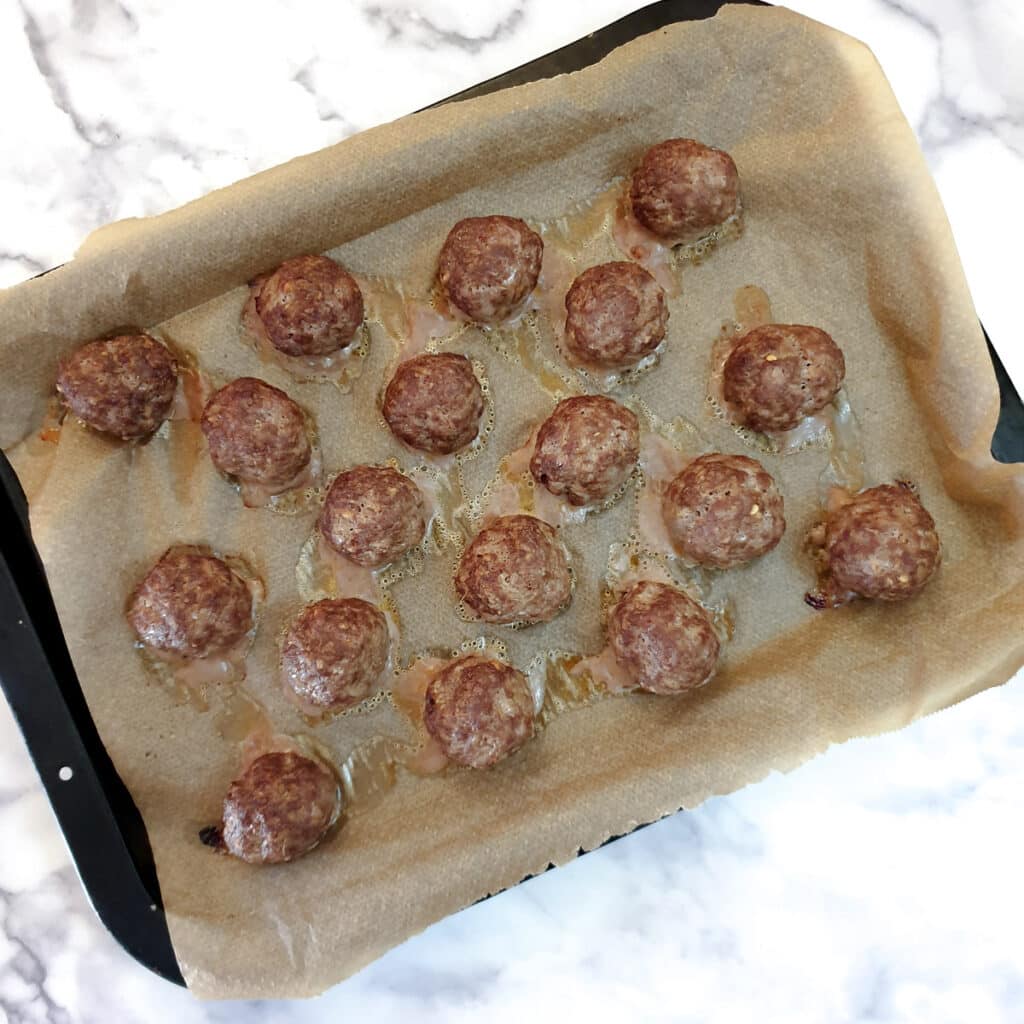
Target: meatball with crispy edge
point(779, 373)
point(515, 570)
point(122, 386)
point(191, 604)
point(373, 515)
point(279, 808)
point(256, 433)
point(882, 544)
point(479, 710)
point(488, 266)
point(662, 638)
point(309, 306)
point(723, 510)
point(683, 189)
point(586, 449)
point(616, 315)
point(334, 653)
point(434, 403)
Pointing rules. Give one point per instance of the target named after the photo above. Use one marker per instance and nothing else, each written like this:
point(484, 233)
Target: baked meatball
point(373, 515)
point(515, 570)
point(334, 653)
point(309, 306)
point(488, 266)
point(434, 403)
point(663, 639)
point(479, 710)
point(881, 544)
point(615, 315)
point(779, 373)
point(586, 449)
point(191, 604)
point(256, 433)
point(723, 510)
point(280, 807)
point(122, 386)
point(684, 189)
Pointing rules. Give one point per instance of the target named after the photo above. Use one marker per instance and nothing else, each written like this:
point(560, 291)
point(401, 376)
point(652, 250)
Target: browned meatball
point(683, 189)
point(723, 510)
point(489, 265)
point(664, 640)
point(615, 315)
point(191, 604)
point(122, 386)
point(256, 433)
point(882, 544)
point(479, 710)
point(586, 448)
point(309, 306)
point(515, 570)
point(373, 515)
point(434, 403)
point(279, 808)
point(779, 373)
point(334, 653)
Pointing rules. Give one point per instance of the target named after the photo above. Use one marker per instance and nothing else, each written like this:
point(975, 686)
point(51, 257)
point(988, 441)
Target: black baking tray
point(100, 822)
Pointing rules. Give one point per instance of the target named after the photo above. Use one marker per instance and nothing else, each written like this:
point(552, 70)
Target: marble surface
point(879, 883)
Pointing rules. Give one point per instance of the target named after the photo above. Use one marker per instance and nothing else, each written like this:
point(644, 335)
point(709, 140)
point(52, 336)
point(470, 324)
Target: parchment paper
point(843, 229)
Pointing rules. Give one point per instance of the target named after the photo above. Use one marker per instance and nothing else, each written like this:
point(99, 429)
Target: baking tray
point(101, 824)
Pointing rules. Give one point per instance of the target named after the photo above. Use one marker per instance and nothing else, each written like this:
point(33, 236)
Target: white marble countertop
point(880, 882)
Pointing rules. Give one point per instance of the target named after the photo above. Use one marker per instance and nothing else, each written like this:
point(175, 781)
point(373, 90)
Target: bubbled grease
point(523, 374)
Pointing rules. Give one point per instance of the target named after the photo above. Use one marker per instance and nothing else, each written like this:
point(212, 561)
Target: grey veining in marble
point(880, 883)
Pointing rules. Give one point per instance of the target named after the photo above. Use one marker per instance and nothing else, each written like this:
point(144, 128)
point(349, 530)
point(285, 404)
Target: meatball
point(256, 433)
point(684, 189)
point(779, 373)
point(434, 403)
point(122, 386)
point(515, 570)
point(586, 449)
point(663, 639)
point(334, 653)
point(309, 306)
point(373, 515)
point(723, 510)
point(488, 266)
point(279, 808)
point(191, 604)
point(615, 315)
point(479, 710)
point(882, 544)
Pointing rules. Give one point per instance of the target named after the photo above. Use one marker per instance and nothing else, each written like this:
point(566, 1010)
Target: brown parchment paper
point(843, 229)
